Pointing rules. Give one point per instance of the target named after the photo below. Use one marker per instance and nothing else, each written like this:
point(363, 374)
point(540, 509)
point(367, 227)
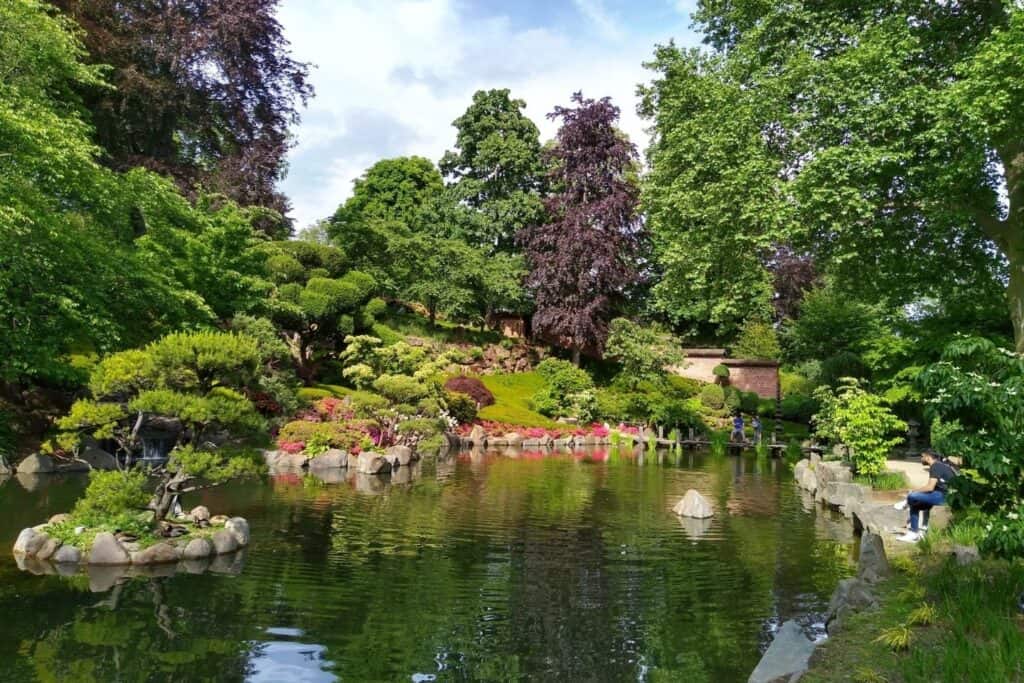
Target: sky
point(391, 76)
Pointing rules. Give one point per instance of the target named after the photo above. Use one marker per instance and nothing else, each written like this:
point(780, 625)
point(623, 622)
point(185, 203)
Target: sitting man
point(737, 429)
point(922, 500)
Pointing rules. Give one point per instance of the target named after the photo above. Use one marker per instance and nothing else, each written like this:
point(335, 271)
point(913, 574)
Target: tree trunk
point(1015, 296)
point(576, 356)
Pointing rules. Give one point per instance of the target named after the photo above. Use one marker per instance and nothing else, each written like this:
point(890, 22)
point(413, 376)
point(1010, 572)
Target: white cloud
point(390, 78)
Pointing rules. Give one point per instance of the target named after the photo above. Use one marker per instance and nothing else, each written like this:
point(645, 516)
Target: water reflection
point(475, 565)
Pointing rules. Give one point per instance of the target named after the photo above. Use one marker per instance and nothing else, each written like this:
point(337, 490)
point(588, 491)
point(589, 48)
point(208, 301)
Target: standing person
point(755, 422)
point(737, 429)
point(923, 499)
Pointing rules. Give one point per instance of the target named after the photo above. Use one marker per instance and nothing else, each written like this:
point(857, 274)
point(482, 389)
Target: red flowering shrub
point(291, 446)
point(599, 430)
point(535, 433)
point(332, 407)
point(472, 387)
point(265, 403)
point(334, 434)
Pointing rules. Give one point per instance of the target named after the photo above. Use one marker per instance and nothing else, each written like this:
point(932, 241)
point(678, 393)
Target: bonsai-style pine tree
point(585, 257)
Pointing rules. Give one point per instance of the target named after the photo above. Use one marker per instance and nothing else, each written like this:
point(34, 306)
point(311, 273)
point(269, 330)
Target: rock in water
point(224, 542)
point(693, 505)
point(478, 436)
point(373, 463)
point(29, 542)
point(200, 513)
point(197, 549)
point(37, 464)
point(106, 550)
point(239, 528)
point(97, 458)
point(788, 654)
point(399, 455)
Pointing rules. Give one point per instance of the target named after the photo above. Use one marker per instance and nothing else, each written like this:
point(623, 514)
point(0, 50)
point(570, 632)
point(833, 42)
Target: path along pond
point(470, 567)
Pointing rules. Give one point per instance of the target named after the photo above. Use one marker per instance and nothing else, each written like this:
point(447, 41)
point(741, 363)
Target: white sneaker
point(909, 537)
point(902, 505)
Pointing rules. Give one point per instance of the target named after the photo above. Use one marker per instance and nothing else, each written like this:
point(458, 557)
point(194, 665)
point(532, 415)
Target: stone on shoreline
point(37, 463)
point(333, 458)
point(224, 541)
point(788, 655)
point(372, 463)
point(106, 550)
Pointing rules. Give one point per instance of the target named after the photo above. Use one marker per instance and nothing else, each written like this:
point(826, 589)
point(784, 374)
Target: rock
point(5, 467)
point(67, 554)
point(271, 458)
point(48, 549)
point(240, 528)
point(333, 458)
point(514, 439)
point(844, 496)
point(37, 464)
point(692, 504)
point(373, 463)
point(29, 542)
point(197, 549)
point(200, 513)
point(399, 455)
point(97, 458)
point(293, 460)
point(106, 550)
point(965, 554)
point(369, 484)
point(219, 520)
point(851, 595)
point(694, 528)
point(808, 480)
point(161, 553)
point(478, 436)
point(64, 466)
point(224, 542)
point(59, 518)
point(787, 656)
point(872, 565)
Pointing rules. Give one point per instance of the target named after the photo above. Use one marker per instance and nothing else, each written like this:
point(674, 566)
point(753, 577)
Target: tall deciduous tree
point(496, 169)
point(885, 138)
point(586, 256)
point(204, 90)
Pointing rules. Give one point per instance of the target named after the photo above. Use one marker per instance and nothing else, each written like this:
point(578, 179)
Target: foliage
point(757, 340)
point(462, 407)
point(401, 388)
point(512, 399)
point(721, 372)
point(110, 494)
point(473, 387)
point(713, 396)
point(645, 352)
point(568, 391)
point(856, 136)
point(317, 437)
point(210, 102)
point(973, 395)
point(853, 416)
point(684, 387)
point(495, 170)
point(200, 361)
point(896, 637)
point(885, 481)
point(586, 255)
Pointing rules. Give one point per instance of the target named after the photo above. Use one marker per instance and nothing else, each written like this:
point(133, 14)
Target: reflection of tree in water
point(143, 630)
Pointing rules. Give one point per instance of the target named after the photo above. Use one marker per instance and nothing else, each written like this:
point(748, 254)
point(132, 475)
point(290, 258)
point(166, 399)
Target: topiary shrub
point(713, 396)
point(461, 406)
point(721, 373)
point(472, 387)
point(401, 388)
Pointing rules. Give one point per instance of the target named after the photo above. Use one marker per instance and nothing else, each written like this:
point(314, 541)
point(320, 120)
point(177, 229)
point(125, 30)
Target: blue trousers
point(923, 502)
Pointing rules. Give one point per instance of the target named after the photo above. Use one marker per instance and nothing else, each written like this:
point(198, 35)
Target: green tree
point(644, 351)
point(862, 421)
point(757, 340)
point(496, 170)
point(883, 138)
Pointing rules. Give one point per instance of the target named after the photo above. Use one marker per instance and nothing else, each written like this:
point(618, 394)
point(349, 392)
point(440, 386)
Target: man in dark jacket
point(923, 499)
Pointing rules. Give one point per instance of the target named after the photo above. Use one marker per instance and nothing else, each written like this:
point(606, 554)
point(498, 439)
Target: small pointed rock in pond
point(692, 504)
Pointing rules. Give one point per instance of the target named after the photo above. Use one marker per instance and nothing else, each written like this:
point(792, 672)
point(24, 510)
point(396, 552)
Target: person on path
point(755, 422)
point(923, 499)
point(737, 429)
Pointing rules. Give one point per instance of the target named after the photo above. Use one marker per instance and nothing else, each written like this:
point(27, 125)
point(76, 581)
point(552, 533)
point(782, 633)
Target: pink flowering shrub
point(292, 447)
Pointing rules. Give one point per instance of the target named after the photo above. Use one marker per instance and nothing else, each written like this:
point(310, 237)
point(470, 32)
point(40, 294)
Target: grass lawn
point(399, 323)
point(973, 629)
point(512, 394)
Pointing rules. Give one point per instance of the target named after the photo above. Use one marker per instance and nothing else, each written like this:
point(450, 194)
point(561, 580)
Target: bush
point(422, 427)
point(401, 388)
point(673, 412)
point(310, 395)
point(685, 387)
point(766, 407)
point(758, 341)
point(713, 396)
point(110, 494)
point(366, 404)
point(461, 406)
point(861, 420)
point(721, 371)
point(749, 402)
point(612, 405)
point(644, 351)
point(842, 364)
point(798, 408)
point(319, 436)
point(569, 391)
point(796, 384)
point(733, 400)
point(472, 387)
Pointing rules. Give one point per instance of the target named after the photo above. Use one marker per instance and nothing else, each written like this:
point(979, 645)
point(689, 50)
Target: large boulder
point(373, 463)
point(224, 541)
point(845, 496)
point(333, 458)
point(97, 458)
point(514, 439)
point(478, 436)
point(787, 656)
point(851, 595)
point(239, 527)
point(828, 472)
point(67, 554)
point(692, 504)
point(808, 479)
point(197, 549)
point(399, 456)
point(872, 565)
point(51, 546)
point(160, 553)
point(200, 513)
point(106, 550)
point(29, 542)
point(38, 463)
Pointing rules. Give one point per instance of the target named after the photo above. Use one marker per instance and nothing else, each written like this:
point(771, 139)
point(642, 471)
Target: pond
point(471, 567)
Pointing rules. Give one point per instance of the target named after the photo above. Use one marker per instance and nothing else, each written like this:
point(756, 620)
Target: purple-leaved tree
point(584, 258)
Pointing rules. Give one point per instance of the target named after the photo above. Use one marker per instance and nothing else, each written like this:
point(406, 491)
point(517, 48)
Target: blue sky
point(392, 76)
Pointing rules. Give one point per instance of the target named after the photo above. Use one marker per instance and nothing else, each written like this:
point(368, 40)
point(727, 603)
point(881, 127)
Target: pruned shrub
point(685, 387)
point(323, 435)
point(721, 373)
point(798, 408)
point(749, 401)
point(472, 387)
point(713, 396)
point(401, 388)
point(461, 406)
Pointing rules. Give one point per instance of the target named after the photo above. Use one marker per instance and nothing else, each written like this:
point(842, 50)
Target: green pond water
point(471, 567)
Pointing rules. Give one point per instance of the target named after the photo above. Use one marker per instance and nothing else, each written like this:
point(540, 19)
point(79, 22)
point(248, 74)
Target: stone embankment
point(368, 462)
point(205, 537)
